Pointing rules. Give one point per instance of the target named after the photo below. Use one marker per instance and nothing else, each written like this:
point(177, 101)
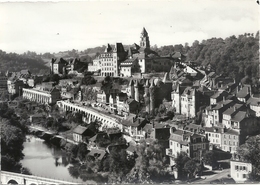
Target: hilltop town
point(140, 116)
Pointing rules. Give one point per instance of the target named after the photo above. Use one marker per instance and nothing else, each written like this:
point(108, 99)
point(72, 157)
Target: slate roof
point(232, 132)
point(213, 129)
point(97, 153)
point(219, 104)
point(218, 93)
point(233, 109)
point(239, 116)
point(253, 101)
point(80, 129)
point(243, 92)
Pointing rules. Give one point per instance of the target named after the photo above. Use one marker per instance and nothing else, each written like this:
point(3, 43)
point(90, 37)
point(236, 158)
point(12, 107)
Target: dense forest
point(13, 62)
point(237, 57)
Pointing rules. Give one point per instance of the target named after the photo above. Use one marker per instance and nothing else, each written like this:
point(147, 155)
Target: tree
point(88, 80)
point(180, 162)
point(210, 158)
point(119, 165)
point(12, 139)
point(250, 151)
point(82, 151)
point(150, 164)
point(192, 167)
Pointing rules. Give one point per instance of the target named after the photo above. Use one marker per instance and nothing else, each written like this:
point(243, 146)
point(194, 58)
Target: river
point(46, 160)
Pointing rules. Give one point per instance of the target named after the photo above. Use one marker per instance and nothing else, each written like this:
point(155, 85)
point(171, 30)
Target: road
point(219, 174)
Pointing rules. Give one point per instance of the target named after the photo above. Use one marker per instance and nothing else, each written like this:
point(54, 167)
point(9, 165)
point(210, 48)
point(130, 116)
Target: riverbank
point(69, 159)
point(49, 136)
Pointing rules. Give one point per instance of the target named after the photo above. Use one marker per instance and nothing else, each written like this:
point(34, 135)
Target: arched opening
point(12, 182)
point(33, 184)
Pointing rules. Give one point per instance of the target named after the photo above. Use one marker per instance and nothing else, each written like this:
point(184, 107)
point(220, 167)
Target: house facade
point(240, 170)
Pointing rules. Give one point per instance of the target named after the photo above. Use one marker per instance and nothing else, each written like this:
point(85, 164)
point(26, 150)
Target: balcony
point(169, 152)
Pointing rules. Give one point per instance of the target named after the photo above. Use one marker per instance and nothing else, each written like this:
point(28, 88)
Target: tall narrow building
point(145, 42)
point(136, 91)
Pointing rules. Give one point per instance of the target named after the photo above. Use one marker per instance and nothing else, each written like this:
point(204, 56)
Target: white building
point(239, 170)
point(214, 135)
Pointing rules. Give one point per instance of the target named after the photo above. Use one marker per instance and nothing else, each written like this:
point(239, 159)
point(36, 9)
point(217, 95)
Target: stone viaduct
point(91, 114)
point(22, 179)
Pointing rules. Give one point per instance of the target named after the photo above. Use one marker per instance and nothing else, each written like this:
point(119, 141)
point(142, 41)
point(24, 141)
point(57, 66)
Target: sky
point(61, 26)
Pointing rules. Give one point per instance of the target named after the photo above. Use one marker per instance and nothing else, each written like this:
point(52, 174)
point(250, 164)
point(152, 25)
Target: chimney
point(224, 98)
point(235, 108)
point(153, 123)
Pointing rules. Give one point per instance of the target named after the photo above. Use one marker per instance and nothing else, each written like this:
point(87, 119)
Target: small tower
point(152, 96)
point(145, 42)
point(136, 91)
point(131, 87)
point(130, 55)
point(147, 96)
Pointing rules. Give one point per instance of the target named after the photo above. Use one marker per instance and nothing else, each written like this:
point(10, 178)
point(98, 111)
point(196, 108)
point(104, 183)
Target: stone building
point(182, 141)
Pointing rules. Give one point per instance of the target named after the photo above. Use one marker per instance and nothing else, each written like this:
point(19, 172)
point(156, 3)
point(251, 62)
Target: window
point(234, 137)
point(244, 168)
point(194, 147)
point(209, 134)
point(224, 136)
point(244, 176)
point(225, 142)
point(241, 167)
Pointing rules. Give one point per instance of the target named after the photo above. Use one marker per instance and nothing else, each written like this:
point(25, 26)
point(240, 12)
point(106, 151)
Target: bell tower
point(145, 42)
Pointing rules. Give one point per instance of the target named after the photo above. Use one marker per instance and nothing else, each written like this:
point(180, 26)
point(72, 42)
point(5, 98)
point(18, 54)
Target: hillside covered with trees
point(237, 57)
point(13, 62)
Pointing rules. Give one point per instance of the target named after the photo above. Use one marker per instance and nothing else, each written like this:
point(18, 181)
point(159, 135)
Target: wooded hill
point(14, 62)
point(237, 57)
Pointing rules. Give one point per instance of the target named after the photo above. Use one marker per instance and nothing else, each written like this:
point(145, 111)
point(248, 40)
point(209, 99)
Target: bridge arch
point(12, 182)
point(33, 184)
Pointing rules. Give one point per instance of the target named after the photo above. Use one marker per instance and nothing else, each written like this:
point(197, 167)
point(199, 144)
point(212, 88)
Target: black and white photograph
point(129, 92)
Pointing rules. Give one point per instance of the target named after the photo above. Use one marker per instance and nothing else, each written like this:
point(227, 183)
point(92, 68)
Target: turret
point(144, 43)
point(132, 90)
point(152, 96)
point(136, 91)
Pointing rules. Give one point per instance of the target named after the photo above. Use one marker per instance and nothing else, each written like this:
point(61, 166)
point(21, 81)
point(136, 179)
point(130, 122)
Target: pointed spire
point(130, 53)
point(131, 83)
point(178, 88)
point(144, 32)
point(152, 83)
point(108, 48)
point(147, 84)
point(165, 78)
point(137, 47)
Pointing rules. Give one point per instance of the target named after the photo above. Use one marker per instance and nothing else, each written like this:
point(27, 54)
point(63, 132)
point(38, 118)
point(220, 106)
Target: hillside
point(15, 62)
point(237, 57)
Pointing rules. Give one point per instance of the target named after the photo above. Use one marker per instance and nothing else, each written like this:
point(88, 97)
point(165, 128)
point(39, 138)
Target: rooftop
point(80, 129)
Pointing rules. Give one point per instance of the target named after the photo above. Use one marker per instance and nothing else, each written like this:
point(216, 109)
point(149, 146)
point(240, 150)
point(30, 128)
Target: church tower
point(145, 42)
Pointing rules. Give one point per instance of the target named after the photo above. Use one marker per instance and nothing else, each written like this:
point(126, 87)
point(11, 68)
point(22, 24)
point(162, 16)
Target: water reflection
point(46, 160)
